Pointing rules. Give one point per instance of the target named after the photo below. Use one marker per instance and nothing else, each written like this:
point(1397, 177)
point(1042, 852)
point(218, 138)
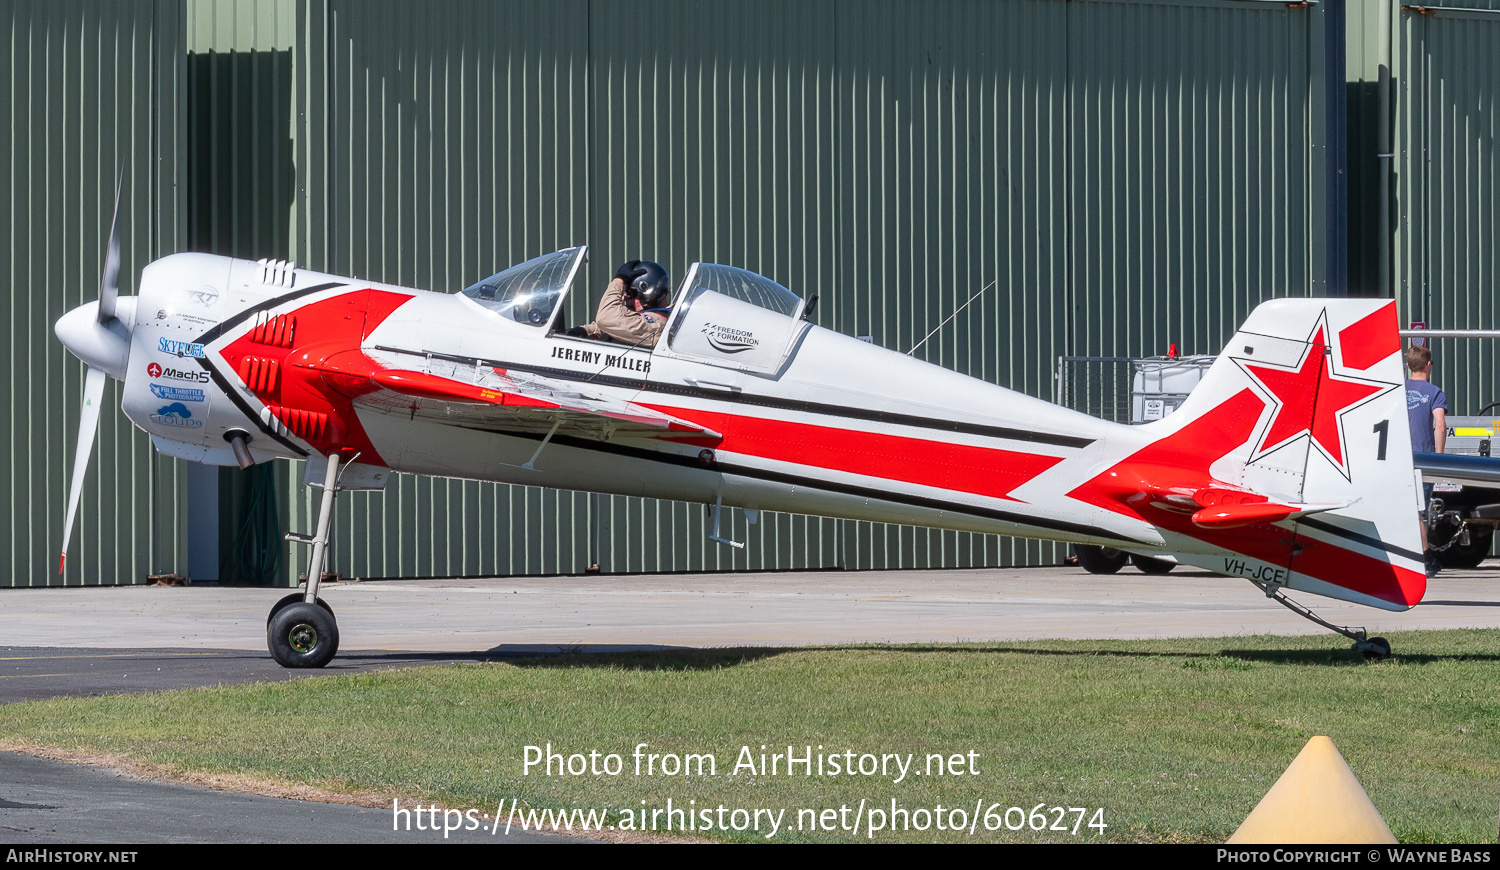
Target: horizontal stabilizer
point(1235, 515)
point(1229, 507)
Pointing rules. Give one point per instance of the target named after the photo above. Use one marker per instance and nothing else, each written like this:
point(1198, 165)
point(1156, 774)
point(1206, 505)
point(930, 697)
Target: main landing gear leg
point(301, 631)
point(1372, 648)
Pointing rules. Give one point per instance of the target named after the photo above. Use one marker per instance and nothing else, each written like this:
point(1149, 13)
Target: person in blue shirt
point(1427, 414)
point(1426, 404)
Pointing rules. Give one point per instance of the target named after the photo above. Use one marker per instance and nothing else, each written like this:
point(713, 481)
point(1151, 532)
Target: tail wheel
point(1148, 565)
point(1100, 560)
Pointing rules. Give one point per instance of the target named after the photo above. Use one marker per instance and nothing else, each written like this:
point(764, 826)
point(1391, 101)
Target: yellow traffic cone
point(1317, 800)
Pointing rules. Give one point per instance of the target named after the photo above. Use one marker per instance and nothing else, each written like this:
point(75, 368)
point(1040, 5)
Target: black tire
point(1099, 560)
point(1148, 565)
point(1464, 558)
point(288, 601)
point(303, 636)
point(1375, 649)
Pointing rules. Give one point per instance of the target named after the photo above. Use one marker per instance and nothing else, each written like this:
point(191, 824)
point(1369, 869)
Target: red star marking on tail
point(1311, 400)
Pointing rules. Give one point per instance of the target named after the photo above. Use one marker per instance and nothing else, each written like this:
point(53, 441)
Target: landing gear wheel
point(1373, 649)
point(290, 600)
point(303, 635)
point(1099, 560)
point(1148, 565)
point(1462, 557)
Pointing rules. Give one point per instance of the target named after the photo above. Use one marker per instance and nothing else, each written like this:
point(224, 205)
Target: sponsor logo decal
point(171, 374)
point(179, 348)
point(205, 296)
point(178, 319)
point(178, 394)
point(176, 414)
point(727, 339)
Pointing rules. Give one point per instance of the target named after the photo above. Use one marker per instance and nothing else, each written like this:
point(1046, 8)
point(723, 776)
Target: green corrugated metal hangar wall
point(1447, 121)
point(88, 87)
point(1119, 175)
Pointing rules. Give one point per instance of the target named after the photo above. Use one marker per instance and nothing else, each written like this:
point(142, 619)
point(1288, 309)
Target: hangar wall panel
point(1448, 188)
point(241, 175)
point(242, 179)
point(1116, 174)
point(88, 88)
point(1194, 170)
point(1367, 77)
point(443, 143)
point(711, 142)
point(951, 131)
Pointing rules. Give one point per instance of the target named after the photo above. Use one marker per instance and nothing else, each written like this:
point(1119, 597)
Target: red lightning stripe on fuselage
point(325, 329)
point(1182, 460)
point(985, 471)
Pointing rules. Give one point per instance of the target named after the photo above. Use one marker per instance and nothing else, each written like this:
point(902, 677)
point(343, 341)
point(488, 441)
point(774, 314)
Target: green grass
point(1175, 740)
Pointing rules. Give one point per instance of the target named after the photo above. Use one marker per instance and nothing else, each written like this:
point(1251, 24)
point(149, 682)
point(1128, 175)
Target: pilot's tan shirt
point(616, 322)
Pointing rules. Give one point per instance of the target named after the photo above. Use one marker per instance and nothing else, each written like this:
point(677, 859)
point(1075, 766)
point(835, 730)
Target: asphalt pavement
point(103, 640)
point(515, 616)
point(44, 801)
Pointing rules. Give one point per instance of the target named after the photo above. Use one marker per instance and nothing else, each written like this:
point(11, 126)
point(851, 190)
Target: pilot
point(634, 308)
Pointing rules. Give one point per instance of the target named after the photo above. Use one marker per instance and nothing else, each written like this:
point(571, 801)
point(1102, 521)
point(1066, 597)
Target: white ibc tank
point(1159, 385)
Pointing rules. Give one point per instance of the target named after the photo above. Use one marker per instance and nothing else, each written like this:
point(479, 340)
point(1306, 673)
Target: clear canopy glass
point(744, 286)
point(736, 319)
point(738, 284)
point(529, 292)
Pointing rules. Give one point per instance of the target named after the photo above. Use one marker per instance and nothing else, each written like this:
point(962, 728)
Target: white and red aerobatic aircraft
point(1289, 466)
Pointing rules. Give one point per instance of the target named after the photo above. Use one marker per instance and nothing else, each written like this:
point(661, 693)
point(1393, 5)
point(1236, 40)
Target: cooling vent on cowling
point(273, 330)
point(259, 374)
point(277, 273)
point(306, 425)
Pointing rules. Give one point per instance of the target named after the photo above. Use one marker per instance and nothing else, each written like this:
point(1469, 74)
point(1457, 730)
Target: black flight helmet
point(652, 285)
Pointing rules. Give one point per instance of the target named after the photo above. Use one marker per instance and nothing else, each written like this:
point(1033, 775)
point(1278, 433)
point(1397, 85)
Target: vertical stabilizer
point(1290, 464)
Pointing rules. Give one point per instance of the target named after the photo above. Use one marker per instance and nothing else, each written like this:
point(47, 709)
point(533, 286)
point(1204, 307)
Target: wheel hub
point(303, 638)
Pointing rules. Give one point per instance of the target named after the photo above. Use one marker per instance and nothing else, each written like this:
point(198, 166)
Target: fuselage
point(765, 411)
point(832, 426)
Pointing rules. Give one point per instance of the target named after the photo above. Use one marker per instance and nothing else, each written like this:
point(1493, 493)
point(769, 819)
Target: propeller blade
point(88, 425)
point(109, 282)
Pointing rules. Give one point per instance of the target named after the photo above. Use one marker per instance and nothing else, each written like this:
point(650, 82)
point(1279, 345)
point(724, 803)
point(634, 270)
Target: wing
point(483, 397)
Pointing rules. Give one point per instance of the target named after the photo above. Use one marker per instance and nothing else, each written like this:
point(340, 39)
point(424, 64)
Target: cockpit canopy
point(529, 292)
point(735, 319)
point(721, 315)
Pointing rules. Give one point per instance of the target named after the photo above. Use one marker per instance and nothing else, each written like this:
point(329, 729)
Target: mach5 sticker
point(171, 374)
